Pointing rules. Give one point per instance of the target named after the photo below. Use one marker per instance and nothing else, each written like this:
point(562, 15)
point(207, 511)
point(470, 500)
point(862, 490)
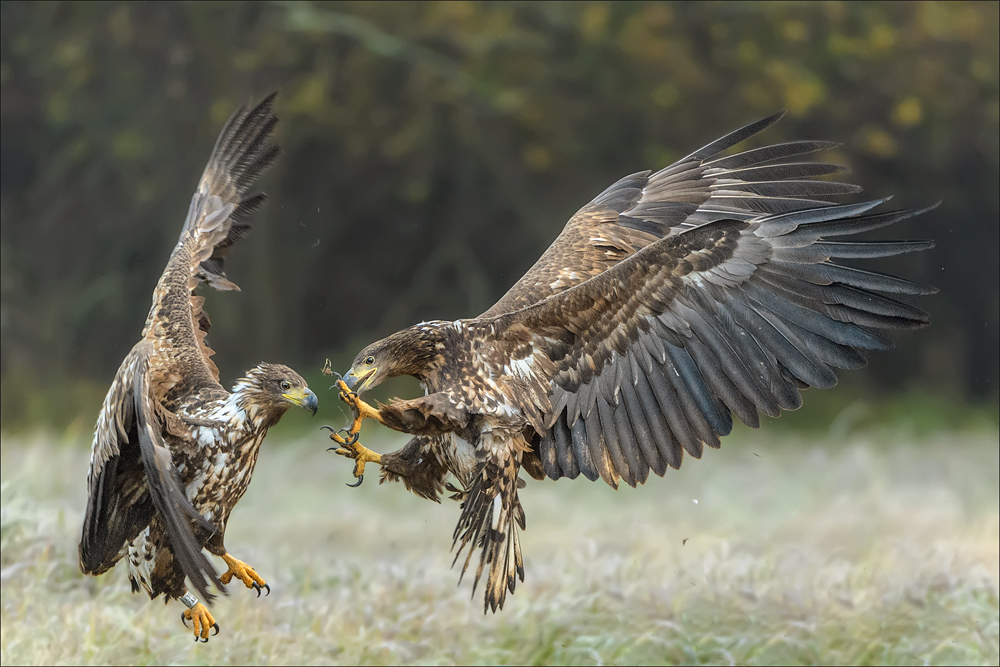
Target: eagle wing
point(131, 470)
point(624, 372)
point(643, 208)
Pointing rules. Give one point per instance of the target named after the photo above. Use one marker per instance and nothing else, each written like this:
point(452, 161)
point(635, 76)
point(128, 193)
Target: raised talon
point(202, 621)
point(257, 588)
point(244, 573)
point(355, 450)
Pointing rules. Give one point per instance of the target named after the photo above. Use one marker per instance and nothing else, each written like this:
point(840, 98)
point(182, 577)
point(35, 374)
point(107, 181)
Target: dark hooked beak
point(350, 379)
point(304, 398)
point(358, 383)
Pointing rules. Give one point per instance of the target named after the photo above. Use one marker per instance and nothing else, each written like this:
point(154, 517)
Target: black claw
point(256, 587)
point(361, 478)
point(327, 427)
point(351, 437)
point(215, 626)
point(204, 640)
point(184, 620)
point(268, 588)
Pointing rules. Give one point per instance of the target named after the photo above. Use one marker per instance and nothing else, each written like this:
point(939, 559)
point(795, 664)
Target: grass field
point(879, 548)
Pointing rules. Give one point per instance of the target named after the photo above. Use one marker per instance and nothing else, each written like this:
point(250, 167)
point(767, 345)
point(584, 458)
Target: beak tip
point(311, 403)
point(350, 380)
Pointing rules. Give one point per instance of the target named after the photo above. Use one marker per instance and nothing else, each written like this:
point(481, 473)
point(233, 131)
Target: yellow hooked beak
point(302, 397)
point(352, 380)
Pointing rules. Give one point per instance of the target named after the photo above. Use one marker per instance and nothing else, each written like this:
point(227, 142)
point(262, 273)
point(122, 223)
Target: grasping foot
point(201, 619)
point(352, 449)
point(244, 573)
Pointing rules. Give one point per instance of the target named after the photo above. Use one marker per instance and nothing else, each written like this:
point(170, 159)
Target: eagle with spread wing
point(671, 302)
point(173, 450)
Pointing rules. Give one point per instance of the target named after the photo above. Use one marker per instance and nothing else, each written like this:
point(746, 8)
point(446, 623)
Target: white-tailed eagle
point(671, 302)
point(173, 450)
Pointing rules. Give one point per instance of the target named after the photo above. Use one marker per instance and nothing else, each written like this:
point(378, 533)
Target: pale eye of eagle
point(370, 360)
point(286, 385)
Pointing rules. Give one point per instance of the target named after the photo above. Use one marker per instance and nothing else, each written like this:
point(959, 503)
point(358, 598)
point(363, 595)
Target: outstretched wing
point(177, 323)
point(623, 373)
point(128, 474)
point(642, 208)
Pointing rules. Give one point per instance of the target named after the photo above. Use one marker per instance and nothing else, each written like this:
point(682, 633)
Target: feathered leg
point(491, 516)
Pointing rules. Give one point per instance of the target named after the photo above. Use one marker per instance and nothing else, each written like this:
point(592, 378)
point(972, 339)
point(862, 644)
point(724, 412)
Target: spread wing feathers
point(491, 515)
point(702, 187)
point(216, 219)
point(243, 151)
point(650, 359)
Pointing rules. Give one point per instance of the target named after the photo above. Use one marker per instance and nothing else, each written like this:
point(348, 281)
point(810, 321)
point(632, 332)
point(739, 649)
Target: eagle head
point(274, 388)
point(416, 351)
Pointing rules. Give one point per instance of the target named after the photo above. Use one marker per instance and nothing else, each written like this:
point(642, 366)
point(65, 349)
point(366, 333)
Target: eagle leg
point(352, 449)
point(202, 620)
point(244, 573)
point(361, 409)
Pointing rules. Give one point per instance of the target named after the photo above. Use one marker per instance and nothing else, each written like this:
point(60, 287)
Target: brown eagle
point(669, 303)
point(174, 451)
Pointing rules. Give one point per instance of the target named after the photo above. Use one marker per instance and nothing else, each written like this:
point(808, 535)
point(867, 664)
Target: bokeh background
point(433, 150)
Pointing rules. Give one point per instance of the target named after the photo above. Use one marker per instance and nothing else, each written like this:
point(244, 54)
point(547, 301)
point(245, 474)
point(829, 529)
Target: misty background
point(432, 151)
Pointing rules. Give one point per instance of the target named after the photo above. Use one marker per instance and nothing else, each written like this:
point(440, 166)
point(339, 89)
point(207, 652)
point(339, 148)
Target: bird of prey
point(671, 302)
point(173, 450)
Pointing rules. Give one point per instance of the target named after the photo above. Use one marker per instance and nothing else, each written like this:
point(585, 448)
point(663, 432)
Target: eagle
point(173, 450)
point(670, 303)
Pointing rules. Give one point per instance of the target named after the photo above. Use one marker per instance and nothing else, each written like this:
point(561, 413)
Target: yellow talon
point(244, 573)
point(202, 620)
point(362, 409)
point(358, 452)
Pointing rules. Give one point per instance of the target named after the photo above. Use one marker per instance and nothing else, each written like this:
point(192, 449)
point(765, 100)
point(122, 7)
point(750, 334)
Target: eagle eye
point(370, 360)
point(286, 385)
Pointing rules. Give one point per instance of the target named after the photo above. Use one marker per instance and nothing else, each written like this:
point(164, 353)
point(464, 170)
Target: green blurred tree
point(433, 150)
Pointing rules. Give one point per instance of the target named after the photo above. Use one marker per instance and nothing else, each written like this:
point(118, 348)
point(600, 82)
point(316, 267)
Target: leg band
point(189, 600)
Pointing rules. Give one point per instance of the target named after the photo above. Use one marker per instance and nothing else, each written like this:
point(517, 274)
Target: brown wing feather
point(119, 506)
point(655, 354)
point(180, 518)
point(643, 208)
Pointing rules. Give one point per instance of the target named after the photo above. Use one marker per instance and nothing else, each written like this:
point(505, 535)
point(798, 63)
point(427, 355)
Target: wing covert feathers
point(652, 357)
point(700, 188)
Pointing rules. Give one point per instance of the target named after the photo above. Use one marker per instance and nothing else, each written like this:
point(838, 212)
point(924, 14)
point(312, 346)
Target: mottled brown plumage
point(173, 450)
point(669, 303)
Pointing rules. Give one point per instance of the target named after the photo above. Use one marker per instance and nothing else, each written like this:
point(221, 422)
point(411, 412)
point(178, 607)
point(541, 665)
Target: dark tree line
point(433, 150)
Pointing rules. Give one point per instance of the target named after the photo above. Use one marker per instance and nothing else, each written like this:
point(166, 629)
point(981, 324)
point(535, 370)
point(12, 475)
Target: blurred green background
point(433, 150)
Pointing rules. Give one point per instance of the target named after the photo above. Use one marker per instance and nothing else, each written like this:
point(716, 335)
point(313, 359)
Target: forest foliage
point(433, 150)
